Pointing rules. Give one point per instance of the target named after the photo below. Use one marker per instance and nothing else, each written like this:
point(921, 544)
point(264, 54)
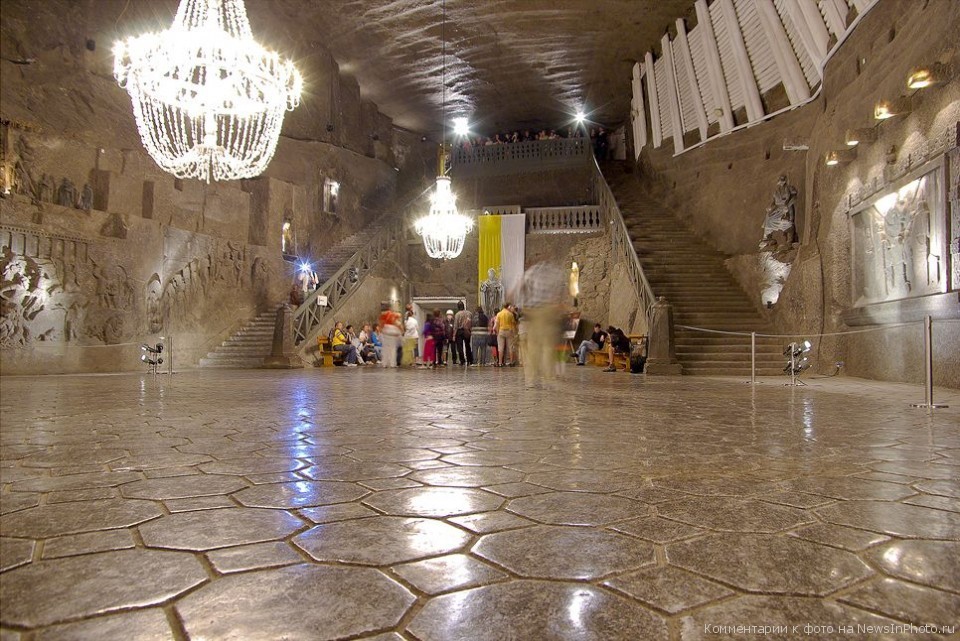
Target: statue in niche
point(491, 292)
point(66, 193)
point(86, 198)
point(779, 232)
point(46, 189)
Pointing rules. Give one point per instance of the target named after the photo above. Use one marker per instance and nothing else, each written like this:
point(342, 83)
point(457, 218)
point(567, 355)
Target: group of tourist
point(599, 138)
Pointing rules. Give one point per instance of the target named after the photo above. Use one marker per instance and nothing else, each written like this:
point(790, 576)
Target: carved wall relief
point(200, 284)
point(899, 239)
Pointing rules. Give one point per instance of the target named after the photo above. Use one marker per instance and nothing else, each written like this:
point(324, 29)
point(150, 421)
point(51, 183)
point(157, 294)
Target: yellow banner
point(490, 248)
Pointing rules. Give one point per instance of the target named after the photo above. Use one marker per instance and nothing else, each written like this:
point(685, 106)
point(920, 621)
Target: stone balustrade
point(564, 220)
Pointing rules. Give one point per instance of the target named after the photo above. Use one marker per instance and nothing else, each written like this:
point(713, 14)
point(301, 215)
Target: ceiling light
point(461, 127)
point(580, 117)
point(443, 229)
point(856, 136)
point(207, 98)
point(920, 78)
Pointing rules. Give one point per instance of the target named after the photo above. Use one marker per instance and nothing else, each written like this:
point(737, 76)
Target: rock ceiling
point(510, 63)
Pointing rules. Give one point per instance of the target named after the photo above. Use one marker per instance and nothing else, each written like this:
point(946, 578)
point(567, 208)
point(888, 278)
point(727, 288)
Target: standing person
point(505, 326)
point(340, 343)
point(411, 338)
point(391, 331)
point(439, 332)
point(429, 346)
point(451, 333)
point(479, 335)
point(598, 340)
point(462, 324)
point(543, 294)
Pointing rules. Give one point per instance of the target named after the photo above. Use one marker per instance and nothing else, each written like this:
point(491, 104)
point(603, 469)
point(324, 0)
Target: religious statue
point(86, 198)
point(22, 181)
point(491, 292)
point(574, 280)
point(778, 226)
point(66, 193)
point(47, 186)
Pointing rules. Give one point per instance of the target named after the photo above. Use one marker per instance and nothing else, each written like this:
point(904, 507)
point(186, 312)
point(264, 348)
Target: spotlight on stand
point(150, 355)
point(797, 362)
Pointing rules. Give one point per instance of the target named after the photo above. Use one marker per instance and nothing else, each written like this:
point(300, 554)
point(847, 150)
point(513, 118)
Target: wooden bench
point(620, 361)
point(325, 353)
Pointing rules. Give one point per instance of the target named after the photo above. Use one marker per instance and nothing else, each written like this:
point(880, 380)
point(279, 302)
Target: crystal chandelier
point(208, 99)
point(444, 229)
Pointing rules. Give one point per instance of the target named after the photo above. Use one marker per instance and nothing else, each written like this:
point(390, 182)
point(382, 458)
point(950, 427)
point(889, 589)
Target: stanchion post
point(928, 365)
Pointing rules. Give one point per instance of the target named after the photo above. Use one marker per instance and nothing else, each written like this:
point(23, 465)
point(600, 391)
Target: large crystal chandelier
point(444, 229)
point(208, 99)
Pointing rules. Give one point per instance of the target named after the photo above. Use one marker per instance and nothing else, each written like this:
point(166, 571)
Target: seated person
point(354, 340)
point(598, 340)
point(368, 351)
point(340, 343)
point(618, 343)
point(376, 342)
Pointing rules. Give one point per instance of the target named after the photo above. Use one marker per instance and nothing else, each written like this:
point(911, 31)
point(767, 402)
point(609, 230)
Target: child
point(429, 347)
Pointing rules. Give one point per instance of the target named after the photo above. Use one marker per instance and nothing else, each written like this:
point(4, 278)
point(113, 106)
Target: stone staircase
point(693, 277)
point(247, 348)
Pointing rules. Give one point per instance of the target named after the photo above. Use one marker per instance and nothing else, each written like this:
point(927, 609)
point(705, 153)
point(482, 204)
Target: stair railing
point(564, 220)
point(622, 246)
point(309, 317)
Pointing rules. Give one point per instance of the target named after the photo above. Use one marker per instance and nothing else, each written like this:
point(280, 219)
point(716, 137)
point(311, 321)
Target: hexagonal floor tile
point(381, 541)
point(448, 573)
point(269, 605)
point(535, 610)
point(896, 519)
point(467, 476)
point(210, 529)
point(933, 563)
point(344, 469)
point(14, 552)
point(48, 521)
point(556, 552)
point(182, 487)
point(772, 564)
point(577, 508)
point(52, 591)
point(733, 515)
point(140, 625)
point(434, 501)
point(586, 480)
point(300, 494)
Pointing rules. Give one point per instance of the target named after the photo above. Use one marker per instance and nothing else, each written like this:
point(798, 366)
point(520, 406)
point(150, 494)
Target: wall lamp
point(856, 136)
point(885, 109)
point(834, 158)
point(923, 77)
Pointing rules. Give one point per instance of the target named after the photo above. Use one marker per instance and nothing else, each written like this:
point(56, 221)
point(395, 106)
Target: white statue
point(491, 292)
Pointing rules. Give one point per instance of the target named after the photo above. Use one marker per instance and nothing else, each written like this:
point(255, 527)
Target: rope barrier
point(853, 331)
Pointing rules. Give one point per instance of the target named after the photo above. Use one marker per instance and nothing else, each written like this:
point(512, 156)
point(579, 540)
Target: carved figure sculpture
point(778, 226)
point(86, 198)
point(66, 193)
point(22, 182)
point(491, 292)
point(47, 186)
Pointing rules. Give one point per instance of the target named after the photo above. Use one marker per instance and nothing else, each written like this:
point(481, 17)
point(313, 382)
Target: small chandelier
point(208, 99)
point(444, 229)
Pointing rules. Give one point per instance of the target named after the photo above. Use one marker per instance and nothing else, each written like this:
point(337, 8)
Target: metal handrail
point(309, 317)
point(620, 239)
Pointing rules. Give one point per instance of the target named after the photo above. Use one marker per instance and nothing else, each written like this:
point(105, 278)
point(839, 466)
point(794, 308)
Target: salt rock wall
point(722, 190)
point(101, 250)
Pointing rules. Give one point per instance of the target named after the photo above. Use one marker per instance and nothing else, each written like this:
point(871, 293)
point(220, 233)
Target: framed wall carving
point(899, 239)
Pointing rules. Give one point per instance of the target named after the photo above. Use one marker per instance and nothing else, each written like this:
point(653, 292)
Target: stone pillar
point(661, 352)
point(283, 355)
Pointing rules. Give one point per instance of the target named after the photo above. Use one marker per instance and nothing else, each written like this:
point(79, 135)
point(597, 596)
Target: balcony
point(521, 157)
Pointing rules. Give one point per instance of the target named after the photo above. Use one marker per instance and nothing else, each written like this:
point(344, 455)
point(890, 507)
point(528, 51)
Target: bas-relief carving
point(190, 293)
point(898, 241)
point(778, 246)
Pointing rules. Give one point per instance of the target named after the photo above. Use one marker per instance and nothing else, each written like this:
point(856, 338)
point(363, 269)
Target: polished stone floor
point(458, 505)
